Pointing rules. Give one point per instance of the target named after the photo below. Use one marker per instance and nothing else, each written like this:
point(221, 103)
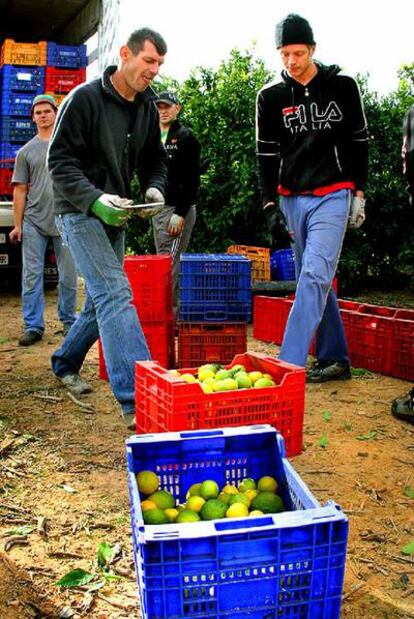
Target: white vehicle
point(11, 255)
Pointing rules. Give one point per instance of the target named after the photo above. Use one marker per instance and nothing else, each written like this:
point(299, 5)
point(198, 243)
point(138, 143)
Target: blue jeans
point(33, 301)
point(108, 311)
point(318, 224)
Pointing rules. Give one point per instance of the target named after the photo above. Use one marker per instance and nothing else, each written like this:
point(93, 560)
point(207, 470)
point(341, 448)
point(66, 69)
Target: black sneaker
point(322, 371)
point(403, 408)
point(29, 337)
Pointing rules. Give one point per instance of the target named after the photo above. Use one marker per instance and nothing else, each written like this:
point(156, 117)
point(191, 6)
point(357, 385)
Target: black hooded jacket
point(99, 141)
point(310, 137)
point(183, 161)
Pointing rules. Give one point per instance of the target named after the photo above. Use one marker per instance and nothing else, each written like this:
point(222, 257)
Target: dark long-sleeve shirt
point(311, 137)
point(95, 148)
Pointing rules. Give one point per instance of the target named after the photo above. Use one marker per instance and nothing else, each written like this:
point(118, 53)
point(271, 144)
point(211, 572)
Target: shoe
point(129, 420)
point(66, 328)
point(75, 384)
point(29, 337)
point(322, 371)
point(403, 408)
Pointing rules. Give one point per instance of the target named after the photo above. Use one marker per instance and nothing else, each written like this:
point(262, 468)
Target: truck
point(68, 22)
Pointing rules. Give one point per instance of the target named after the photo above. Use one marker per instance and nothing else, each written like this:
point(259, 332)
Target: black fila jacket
point(183, 162)
point(310, 137)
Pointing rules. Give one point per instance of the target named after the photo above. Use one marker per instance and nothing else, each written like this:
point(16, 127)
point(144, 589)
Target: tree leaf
point(23, 530)
point(105, 554)
point(408, 549)
point(111, 576)
point(327, 416)
point(408, 491)
point(75, 578)
point(323, 441)
point(368, 436)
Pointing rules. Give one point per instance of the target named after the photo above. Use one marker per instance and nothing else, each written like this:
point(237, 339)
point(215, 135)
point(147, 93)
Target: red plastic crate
point(403, 345)
point(369, 334)
point(6, 187)
point(270, 315)
point(166, 403)
point(63, 80)
point(150, 278)
point(161, 344)
point(200, 343)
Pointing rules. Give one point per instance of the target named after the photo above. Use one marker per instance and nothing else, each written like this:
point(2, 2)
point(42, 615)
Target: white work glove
point(175, 225)
point(152, 195)
point(356, 212)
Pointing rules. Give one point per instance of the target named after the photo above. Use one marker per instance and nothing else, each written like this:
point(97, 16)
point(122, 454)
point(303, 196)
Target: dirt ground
point(62, 471)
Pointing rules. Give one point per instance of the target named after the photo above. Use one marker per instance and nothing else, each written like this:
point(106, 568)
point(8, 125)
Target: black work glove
point(276, 224)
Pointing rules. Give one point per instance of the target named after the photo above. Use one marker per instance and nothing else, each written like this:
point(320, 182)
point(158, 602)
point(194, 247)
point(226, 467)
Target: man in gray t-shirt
point(34, 225)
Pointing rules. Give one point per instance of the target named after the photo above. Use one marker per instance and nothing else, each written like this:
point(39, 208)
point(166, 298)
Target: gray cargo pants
point(166, 244)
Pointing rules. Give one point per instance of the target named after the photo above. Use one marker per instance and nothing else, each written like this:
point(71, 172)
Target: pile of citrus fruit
point(207, 501)
point(213, 377)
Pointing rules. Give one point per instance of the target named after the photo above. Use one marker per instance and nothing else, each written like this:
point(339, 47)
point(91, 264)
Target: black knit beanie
point(294, 29)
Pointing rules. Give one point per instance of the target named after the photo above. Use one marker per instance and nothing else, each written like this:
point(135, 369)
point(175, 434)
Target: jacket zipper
point(338, 163)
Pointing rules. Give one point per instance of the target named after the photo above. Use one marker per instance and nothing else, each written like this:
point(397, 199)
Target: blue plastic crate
point(8, 154)
point(281, 566)
point(23, 79)
point(215, 287)
point(66, 56)
point(16, 129)
point(282, 265)
point(16, 103)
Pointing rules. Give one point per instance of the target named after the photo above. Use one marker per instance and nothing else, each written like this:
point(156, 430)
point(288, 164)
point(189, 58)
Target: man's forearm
point(19, 204)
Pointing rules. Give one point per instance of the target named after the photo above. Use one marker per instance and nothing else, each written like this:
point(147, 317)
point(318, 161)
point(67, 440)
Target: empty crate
point(259, 256)
point(215, 287)
point(207, 342)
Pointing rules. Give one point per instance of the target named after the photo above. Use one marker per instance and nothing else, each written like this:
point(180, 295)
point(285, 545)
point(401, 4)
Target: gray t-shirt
point(30, 169)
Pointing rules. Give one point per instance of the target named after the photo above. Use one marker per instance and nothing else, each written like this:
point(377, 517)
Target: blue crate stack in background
point(27, 70)
point(215, 307)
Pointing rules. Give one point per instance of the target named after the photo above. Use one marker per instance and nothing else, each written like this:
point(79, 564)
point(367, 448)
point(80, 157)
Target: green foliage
point(219, 106)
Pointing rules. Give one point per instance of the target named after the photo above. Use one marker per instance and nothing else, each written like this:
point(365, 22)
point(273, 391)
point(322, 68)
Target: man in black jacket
point(106, 130)
point(312, 163)
point(173, 226)
point(403, 407)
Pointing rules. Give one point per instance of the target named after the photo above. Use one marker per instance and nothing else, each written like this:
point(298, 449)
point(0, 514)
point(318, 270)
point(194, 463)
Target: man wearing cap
point(312, 151)
point(173, 226)
point(34, 225)
point(106, 131)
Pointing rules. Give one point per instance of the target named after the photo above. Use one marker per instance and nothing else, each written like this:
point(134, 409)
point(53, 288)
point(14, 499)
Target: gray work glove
point(356, 213)
point(152, 195)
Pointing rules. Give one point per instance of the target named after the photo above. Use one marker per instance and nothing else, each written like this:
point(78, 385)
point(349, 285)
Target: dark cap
point(167, 97)
point(293, 29)
point(44, 99)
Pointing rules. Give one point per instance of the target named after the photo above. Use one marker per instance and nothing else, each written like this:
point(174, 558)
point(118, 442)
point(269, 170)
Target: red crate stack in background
point(27, 70)
point(150, 278)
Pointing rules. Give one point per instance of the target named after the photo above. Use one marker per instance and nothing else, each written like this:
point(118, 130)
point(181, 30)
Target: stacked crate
point(260, 259)
point(150, 278)
point(27, 70)
point(215, 307)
